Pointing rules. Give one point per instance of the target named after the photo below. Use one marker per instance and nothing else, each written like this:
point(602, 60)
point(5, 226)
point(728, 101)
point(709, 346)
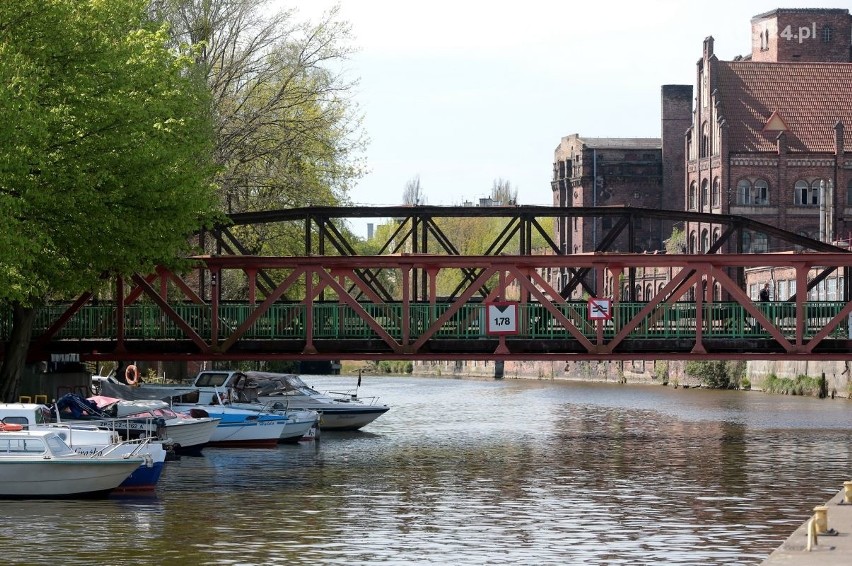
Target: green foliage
point(105, 165)
point(717, 374)
point(676, 243)
point(661, 372)
point(801, 385)
point(394, 367)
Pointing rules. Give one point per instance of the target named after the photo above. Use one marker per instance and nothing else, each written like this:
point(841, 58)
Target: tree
point(502, 193)
point(106, 162)
point(412, 194)
point(286, 131)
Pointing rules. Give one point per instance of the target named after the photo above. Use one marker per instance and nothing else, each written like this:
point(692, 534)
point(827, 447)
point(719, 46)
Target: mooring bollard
point(821, 519)
point(812, 534)
point(847, 492)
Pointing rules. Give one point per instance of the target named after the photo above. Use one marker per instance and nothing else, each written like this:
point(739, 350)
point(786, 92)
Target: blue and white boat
point(243, 428)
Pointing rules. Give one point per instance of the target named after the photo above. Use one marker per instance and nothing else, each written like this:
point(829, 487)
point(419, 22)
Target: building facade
point(767, 139)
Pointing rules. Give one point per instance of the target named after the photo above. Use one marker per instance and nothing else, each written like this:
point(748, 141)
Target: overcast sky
point(464, 92)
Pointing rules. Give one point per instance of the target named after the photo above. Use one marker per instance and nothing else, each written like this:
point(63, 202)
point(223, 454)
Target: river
point(479, 472)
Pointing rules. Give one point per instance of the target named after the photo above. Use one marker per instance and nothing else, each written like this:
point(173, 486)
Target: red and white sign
point(502, 318)
point(600, 309)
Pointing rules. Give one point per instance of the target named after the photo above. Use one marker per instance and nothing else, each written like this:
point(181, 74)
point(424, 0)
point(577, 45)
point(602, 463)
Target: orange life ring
point(11, 427)
point(131, 375)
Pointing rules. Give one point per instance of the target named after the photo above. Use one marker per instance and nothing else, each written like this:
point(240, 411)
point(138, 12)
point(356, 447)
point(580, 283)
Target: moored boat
point(338, 411)
point(190, 432)
point(240, 428)
point(91, 439)
point(39, 464)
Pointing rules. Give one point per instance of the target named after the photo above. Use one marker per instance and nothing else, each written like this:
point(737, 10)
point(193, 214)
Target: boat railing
point(349, 396)
point(145, 426)
point(139, 444)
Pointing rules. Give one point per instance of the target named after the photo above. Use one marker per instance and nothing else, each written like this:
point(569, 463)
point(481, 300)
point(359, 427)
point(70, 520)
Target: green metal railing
point(342, 321)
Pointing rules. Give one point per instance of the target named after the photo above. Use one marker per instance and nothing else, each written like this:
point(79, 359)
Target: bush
point(801, 385)
point(718, 374)
point(395, 367)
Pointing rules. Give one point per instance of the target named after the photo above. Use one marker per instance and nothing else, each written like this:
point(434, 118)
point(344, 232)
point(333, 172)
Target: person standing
point(764, 294)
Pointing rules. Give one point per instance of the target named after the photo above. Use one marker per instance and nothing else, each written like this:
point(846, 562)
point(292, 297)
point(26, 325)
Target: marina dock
point(824, 539)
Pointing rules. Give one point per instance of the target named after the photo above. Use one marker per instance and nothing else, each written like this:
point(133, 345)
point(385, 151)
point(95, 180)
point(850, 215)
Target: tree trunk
point(16, 352)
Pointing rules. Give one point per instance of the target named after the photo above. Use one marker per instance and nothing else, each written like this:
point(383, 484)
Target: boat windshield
point(58, 446)
point(296, 383)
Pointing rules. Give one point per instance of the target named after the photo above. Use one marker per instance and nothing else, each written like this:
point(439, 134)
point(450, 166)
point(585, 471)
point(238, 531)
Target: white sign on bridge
point(502, 318)
point(600, 309)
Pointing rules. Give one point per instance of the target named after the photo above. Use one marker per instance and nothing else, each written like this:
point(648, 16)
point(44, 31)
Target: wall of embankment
point(663, 372)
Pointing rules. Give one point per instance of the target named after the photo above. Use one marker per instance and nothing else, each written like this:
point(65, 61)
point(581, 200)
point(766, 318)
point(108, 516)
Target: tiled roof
point(622, 143)
point(809, 97)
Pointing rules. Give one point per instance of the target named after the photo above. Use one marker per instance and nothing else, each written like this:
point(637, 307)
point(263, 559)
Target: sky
point(462, 93)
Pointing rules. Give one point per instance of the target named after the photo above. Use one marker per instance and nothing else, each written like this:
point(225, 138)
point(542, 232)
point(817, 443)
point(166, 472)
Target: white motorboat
point(91, 439)
point(240, 428)
point(338, 411)
point(190, 432)
point(301, 423)
point(38, 463)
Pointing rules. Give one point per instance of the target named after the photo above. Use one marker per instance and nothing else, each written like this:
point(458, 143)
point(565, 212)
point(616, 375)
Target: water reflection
point(481, 472)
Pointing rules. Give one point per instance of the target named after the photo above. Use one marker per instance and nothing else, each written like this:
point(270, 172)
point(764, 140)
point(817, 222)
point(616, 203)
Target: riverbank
point(777, 377)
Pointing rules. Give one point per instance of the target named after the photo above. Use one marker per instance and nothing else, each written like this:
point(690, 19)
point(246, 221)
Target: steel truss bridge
point(387, 306)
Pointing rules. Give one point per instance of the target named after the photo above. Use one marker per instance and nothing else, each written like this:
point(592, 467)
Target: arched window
point(761, 193)
point(746, 242)
point(692, 197)
point(692, 243)
point(649, 290)
point(717, 193)
point(705, 140)
point(744, 192)
point(705, 193)
point(638, 292)
point(806, 194)
point(705, 241)
point(716, 235)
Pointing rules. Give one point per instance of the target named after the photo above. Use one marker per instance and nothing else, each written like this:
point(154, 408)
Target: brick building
point(767, 134)
point(637, 172)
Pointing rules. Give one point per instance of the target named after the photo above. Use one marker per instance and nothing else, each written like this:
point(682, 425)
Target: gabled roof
point(809, 97)
point(775, 123)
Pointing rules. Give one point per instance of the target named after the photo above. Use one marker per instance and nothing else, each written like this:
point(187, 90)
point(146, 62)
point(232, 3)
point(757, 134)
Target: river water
point(480, 472)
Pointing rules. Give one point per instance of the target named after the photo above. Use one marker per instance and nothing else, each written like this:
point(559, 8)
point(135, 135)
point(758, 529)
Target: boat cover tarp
point(76, 407)
point(268, 382)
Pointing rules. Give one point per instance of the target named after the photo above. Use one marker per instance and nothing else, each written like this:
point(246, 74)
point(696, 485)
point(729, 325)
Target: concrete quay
point(830, 540)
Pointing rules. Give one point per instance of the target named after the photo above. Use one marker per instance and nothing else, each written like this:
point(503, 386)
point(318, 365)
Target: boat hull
point(334, 415)
point(190, 437)
point(63, 478)
point(144, 477)
point(244, 429)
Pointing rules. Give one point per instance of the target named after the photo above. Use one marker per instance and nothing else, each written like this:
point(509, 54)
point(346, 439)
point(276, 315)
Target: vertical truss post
point(801, 296)
point(406, 307)
point(214, 307)
point(309, 312)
